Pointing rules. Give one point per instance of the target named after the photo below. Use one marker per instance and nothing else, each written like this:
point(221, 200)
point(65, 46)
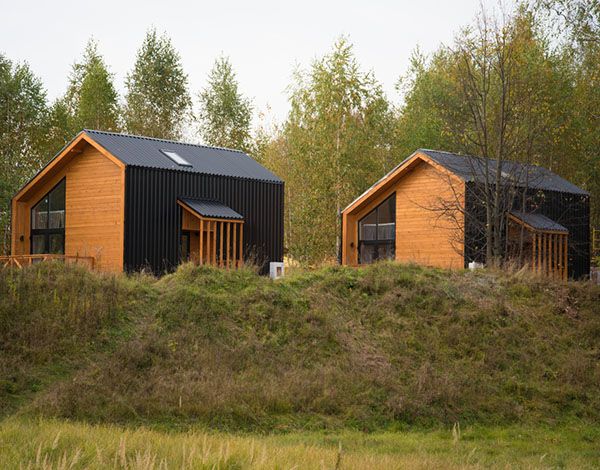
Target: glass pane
point(386, 231)
point(387, 210)
point(386, 227)
point(386, 251)
point(368, 253)
point(368, 226)
point(38, 244)
point(39, 214)
point(57, 206)
point(57, 243)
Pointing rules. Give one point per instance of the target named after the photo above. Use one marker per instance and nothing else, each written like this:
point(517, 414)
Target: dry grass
point(53, 444)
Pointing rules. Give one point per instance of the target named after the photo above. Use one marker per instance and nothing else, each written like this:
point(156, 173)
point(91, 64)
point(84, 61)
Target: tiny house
point(428, 210)
point(131, 202)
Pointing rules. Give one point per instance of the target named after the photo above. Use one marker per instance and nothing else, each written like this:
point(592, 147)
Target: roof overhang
point(208, 209)
point(537, 222)
point(395, 174)
point(62, 158)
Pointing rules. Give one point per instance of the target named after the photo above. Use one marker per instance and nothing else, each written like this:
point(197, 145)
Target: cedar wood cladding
point(94, 205)
point(420, 236)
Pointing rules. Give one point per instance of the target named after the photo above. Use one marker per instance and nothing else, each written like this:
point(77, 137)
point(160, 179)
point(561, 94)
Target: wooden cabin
point(428, 210)
point(128, 202)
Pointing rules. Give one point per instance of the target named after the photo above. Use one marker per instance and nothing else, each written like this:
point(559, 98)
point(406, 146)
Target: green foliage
point(91, 97)
point(23, 114)
point(225, 115)
point(52, 317)
point(157, 101)
point(364, 348)
point(335, 143)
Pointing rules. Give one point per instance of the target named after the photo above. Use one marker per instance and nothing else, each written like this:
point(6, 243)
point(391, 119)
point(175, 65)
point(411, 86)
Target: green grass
point(59, 444)
point(371, 349)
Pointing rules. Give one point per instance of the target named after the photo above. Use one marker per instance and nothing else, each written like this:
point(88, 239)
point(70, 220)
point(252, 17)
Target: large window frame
point(381, 244)
point(50, 236)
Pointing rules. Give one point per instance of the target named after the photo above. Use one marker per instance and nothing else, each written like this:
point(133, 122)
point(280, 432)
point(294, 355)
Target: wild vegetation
point(371, 348)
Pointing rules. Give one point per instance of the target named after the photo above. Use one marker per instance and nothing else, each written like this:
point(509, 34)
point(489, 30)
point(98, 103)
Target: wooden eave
point(74, 148)
point(396, 174)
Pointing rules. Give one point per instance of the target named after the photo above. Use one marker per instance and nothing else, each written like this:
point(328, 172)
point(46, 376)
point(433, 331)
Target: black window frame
point(388, 243)
point(48, 232)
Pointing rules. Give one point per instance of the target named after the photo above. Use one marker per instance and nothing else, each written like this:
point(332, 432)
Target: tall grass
point(51, 444)
point(371, 348)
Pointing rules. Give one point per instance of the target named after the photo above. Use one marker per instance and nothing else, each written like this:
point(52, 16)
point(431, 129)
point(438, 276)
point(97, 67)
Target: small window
point(176, 158)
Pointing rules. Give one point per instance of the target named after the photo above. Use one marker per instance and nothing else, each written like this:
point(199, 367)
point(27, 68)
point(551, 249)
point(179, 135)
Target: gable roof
point(147, 152)
point(539, 222)
point(469, 168)
point(210, 208)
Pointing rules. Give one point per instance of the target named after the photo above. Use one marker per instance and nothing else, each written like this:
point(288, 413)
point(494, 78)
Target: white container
point(473, 265)
point(276, 269)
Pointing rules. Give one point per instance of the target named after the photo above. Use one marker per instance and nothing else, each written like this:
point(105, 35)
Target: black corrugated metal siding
point(153, 217)
point(570, 210)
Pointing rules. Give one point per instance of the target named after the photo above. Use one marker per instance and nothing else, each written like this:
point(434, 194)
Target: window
point(48, 222)
point(176, 158)
point(377, 233)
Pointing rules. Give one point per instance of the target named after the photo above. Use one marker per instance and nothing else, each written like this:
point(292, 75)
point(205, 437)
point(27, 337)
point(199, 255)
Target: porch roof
point(210, 209)
point(539, 222)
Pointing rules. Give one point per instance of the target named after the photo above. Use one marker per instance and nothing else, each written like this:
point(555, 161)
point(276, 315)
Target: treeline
point(522, 86)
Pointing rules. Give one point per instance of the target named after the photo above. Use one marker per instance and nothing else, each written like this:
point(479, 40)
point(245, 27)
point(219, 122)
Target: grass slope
point(385, 346)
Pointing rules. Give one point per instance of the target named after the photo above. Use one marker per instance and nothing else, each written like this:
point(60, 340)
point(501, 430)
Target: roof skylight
point(176, 157)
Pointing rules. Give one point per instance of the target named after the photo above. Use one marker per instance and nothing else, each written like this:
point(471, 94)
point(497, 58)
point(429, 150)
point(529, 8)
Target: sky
point(265, 40)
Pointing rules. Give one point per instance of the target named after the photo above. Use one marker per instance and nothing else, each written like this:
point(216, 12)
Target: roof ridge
point(205, 199)
point(455, 154)
point(144, 137)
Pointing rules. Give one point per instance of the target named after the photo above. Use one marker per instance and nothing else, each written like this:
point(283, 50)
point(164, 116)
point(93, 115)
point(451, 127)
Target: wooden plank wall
point(422, 236)
point(549, 254)
point(94, 219)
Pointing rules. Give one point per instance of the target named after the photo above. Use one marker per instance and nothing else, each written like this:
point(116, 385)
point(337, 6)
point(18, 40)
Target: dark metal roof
point(211, 209)
point(471, 168)
point(148, 152)
point(539, 222)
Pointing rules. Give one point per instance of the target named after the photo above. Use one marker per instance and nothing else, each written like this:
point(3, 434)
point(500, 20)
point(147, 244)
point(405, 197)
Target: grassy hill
point(385, 346)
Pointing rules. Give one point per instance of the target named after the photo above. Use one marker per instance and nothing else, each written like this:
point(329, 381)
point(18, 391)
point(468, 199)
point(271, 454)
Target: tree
point(580, 19)
point(91, 98)
point(335, 143)
point(577, 22)
point(225, 115)
point(498, 93)
point(22, 116)
point(157, 100)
